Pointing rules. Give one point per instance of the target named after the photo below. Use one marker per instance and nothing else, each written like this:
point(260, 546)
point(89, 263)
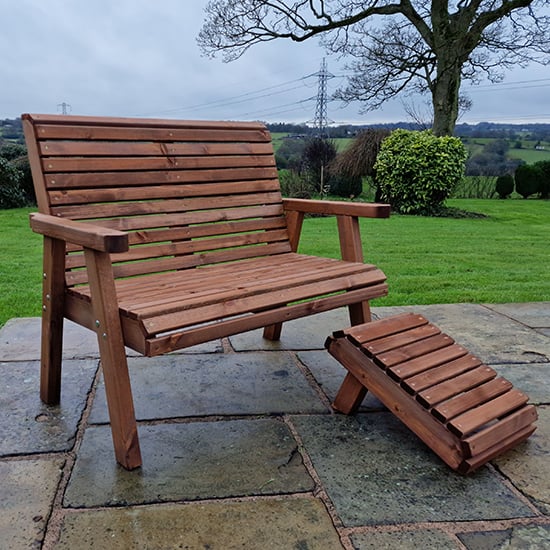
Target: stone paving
point(242, 450)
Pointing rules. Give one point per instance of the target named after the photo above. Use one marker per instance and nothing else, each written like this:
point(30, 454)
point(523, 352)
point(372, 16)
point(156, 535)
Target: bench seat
point(169, 311)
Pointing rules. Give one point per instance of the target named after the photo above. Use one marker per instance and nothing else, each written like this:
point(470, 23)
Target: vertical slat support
point(113, 359)
point(53, 294)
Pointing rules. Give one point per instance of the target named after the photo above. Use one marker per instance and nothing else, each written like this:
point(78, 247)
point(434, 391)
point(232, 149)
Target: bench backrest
point(188, 193)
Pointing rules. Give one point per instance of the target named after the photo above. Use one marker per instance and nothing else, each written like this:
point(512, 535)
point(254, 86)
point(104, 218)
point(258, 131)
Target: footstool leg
point(350, 395)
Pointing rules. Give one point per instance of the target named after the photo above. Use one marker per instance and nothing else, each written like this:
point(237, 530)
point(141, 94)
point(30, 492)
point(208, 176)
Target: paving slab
point(493, 337)
point(300, 334)
point(528, 537)
point(215, 384)
point(20, 341)
point(29, 426)
point(533, 314)
point(262, 524)
point(528, 465)
point(27, 489)
point(330, 374)
point(378, 472)
point(532, 379)
point(190, 461)
point(424, 539)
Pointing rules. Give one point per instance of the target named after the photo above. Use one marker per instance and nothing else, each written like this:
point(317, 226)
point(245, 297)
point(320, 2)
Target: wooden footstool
point(457, 405)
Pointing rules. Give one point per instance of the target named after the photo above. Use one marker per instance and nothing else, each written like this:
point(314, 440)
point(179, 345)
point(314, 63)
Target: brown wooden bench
point(458, 406)
point(162, 234)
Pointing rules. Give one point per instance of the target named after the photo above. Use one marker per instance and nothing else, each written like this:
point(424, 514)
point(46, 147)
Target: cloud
point(140, 58)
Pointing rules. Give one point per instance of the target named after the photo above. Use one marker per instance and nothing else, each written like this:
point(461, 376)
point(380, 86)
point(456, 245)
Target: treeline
point(536, 131)
point(11, 129)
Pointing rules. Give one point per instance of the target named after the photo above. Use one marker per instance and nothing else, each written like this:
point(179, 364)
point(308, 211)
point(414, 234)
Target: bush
point(345, 186)
point(527, 178)
point(11, 194)
point(294, 185)
point(544, 183)
point(417, 171)
point(317, 156)
point(504, 186)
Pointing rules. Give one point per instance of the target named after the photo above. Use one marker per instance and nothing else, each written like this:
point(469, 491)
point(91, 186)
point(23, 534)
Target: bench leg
point(273, 332)
point(53, 291)
point(113, 360)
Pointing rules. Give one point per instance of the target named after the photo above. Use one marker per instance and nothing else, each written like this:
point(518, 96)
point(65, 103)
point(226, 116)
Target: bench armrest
point(84, 234)
point(338, 208)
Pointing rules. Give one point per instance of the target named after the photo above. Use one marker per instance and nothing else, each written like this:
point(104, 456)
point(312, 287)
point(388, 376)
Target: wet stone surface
point(190, 461)
point(27, 489)
point(528, 465)
point(330, 374)
point(272, 524)
point(26, 424)
point(424, 539)
point(214, 384)
point(529, 537)
point(378, 472)
point(300, 334)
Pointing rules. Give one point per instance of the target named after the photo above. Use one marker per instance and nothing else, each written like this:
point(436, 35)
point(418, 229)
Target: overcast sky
point(140, 58)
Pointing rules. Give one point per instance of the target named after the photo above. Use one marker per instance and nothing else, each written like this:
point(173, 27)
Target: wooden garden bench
point(162, 234)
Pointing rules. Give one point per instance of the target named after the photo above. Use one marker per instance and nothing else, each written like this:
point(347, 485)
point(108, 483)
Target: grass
point(501, 258)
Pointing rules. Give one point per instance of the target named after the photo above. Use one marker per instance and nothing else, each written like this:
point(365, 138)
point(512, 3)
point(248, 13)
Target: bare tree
point(395, 46)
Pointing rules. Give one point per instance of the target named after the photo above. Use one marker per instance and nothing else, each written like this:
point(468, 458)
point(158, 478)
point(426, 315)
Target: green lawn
point(502, 258)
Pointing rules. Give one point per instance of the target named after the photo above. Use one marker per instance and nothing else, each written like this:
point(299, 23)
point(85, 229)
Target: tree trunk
point(445, 94)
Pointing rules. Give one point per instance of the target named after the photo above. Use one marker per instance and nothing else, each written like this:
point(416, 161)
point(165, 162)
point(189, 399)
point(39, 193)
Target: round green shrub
point(417, 171)
point(527, 178)
point(504, 186)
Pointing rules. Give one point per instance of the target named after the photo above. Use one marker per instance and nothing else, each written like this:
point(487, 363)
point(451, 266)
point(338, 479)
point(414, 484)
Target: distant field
point(527, 153)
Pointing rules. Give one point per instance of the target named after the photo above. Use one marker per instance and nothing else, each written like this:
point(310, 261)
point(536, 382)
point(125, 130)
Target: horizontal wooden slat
point(494, 434)
point(219, 289)
point(191, 218)
point(83, 196)
point(228, 327)
point(449, 388)
point(124, 179)
point(190, 247)
point(111, 210)
point(471, 399)
point(238, 306)
point(410, 351)
point(430, 375)
point(137, 164)
point(72, 147)
point(147, 131)
point(383, 345)
point(475, 418)
point(407, 369)
point(383, 327)
point(185, 262)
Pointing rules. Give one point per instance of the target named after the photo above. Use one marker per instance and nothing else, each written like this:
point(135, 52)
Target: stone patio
point(242, 450)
